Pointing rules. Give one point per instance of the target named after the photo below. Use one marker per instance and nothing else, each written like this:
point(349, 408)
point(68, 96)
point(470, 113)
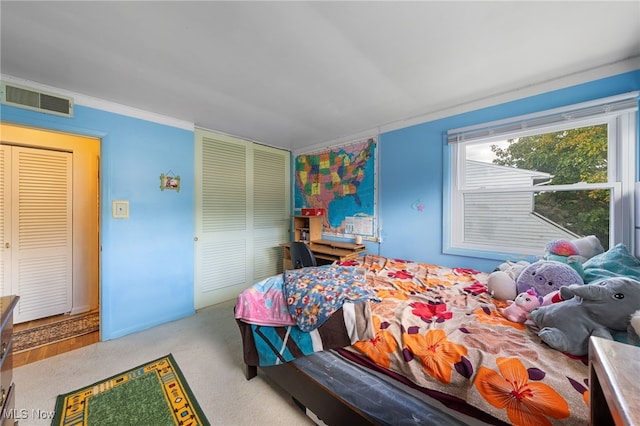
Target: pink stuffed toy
point(553, 297)
point(519, 309)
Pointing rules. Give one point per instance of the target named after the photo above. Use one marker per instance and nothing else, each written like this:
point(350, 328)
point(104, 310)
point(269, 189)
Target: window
point(517, 184)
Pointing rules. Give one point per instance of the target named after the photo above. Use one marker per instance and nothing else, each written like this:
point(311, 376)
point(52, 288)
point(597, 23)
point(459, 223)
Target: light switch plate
point(120, 209)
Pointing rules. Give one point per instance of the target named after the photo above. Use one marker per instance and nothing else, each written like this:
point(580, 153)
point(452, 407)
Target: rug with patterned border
point(73, 326)
point(153, 394)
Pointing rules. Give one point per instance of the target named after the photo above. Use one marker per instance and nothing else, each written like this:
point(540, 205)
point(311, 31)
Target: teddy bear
point(597, 309)
point(588, 246)
point(573, 252)
point(564, 251)
point(547, 276)
point(518, 310)
point(501, 282)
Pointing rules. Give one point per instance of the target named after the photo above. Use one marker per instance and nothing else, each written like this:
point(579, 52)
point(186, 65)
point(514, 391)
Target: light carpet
point(211, 363)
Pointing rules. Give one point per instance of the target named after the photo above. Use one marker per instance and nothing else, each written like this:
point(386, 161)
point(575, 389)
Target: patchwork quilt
point(303, 311)
point(314, 294)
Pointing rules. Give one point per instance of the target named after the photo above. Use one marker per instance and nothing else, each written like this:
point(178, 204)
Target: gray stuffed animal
point(594, 309)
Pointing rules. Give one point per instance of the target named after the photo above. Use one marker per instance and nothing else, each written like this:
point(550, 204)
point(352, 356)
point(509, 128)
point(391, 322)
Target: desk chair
point(301, 255)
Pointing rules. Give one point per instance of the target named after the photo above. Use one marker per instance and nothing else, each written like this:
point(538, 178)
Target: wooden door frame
point(86, 205)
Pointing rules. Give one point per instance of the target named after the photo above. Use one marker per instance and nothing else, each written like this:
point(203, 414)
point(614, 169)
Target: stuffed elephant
point(595, 309)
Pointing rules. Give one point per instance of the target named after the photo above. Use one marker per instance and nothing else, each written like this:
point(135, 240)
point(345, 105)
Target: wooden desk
point(614, 388)
point(327, 251)
point(335, 250)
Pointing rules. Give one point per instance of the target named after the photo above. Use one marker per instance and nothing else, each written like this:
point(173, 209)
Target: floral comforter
point(438, 328)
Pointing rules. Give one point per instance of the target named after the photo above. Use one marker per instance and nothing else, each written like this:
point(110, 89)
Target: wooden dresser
point(614, 391)
point(7, 388)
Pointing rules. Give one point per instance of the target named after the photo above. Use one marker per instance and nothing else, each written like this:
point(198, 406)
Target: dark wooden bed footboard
point(308, 393)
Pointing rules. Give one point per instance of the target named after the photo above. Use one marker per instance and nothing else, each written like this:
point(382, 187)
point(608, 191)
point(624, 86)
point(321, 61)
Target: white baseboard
point(80, 309)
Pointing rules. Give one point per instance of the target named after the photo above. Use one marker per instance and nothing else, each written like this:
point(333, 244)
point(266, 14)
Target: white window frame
point(620, 115)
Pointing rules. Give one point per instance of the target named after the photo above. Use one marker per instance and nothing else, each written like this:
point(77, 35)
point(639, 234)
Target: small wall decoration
point(169, 181)
point(417, 205)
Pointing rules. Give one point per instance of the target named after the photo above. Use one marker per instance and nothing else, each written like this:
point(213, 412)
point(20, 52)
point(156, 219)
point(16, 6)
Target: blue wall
point(147, 261)
point(412, 167)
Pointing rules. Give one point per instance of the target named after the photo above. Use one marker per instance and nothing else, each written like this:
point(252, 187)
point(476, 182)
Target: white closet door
point(242, 206)
point(5, 219)
point(41, 247)
point(271, 210)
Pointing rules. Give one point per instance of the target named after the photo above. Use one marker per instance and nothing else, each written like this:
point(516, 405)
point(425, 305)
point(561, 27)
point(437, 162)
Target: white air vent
point(37, 100)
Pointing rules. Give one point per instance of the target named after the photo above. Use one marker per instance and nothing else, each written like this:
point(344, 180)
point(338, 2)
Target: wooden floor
point(42, 352)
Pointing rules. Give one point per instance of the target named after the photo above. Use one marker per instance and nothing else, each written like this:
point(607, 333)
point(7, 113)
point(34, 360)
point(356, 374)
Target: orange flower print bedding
point(527, 402)
point(440, 329)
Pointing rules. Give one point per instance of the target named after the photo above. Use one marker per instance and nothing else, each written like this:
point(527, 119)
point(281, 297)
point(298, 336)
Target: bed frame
point(307, 393)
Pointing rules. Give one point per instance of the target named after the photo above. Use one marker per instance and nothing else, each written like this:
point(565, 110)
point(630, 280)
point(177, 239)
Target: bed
point(418, 344)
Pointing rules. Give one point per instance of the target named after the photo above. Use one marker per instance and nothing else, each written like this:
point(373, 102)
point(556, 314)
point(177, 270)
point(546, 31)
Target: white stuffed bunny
point(501, 284)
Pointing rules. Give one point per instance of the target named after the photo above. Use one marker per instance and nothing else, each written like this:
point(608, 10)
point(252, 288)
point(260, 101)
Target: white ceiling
point(299, 74)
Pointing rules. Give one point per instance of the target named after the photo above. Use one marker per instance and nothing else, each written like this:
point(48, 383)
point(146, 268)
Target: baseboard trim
point(80, 309)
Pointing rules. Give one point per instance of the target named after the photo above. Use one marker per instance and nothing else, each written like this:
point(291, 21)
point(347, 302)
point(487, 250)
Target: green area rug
point(154, 394)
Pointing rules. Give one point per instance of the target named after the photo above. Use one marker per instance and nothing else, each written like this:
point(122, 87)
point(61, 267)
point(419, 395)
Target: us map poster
point(342, 182)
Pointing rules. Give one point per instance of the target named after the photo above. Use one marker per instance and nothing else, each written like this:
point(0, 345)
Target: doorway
point(82, 157)
point(37, 227)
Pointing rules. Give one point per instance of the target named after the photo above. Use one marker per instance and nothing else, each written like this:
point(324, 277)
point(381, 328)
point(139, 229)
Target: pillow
point(614, 262)
point(314, 293)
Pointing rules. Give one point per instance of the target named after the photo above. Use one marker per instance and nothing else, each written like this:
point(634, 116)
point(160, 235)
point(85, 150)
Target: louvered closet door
point(242, 207)
point(41, 235)
point(5, 219)
point(271, 213)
